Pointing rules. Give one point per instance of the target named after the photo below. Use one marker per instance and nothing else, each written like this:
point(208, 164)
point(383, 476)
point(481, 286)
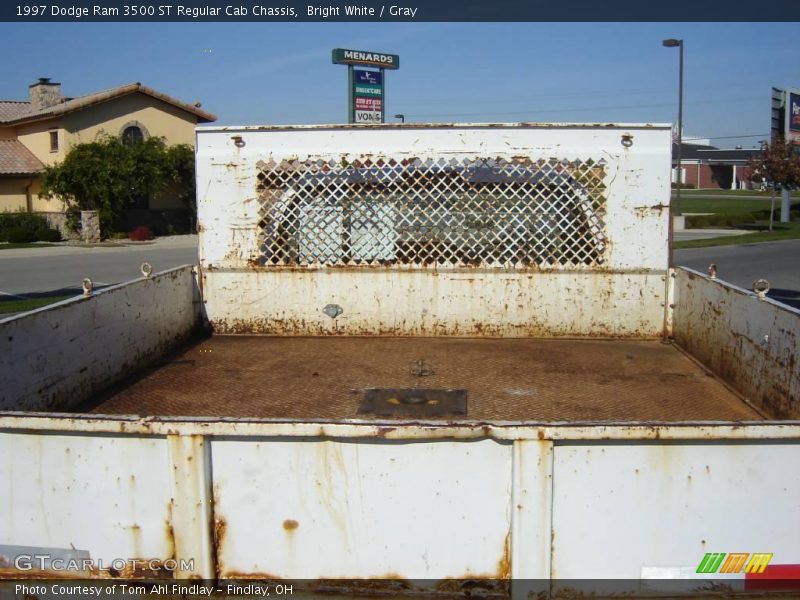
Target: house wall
point(158, 118)
point(12, 194)
point(7, 133)
point(704, 176)
point(46, 204)
point(36, 137)
point(699, 176)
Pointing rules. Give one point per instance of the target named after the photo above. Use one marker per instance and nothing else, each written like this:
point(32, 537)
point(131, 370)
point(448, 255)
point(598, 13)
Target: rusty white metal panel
point(532, 510)
point(620, 507)
point(401, 430)
point(58, 356)
point(241, 233)
point(635, 162)
point(752, 343)
point(191, 506)
point(106, 495)
point(316, 508)
point(476, 303)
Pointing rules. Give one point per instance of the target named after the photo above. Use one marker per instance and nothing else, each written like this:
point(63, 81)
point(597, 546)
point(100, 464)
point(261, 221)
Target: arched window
point(133, 134)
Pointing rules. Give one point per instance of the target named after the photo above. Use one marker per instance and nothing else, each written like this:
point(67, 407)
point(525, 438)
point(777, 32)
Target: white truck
point(412, 358)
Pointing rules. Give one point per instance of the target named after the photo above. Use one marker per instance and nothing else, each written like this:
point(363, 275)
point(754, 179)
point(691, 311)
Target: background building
point(707, 167)
point(40, 131)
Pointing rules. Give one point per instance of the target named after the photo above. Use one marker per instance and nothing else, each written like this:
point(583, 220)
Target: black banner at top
point(403, 10)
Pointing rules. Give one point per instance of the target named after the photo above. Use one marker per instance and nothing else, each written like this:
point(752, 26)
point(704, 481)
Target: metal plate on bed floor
point(414, 402)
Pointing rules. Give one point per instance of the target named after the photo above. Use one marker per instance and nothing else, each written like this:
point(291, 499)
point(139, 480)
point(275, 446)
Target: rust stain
point(472, 586)
point(266, 577)
point(169, 532)
point(220, 528)
point(385, 431)
point(299, 326)
point(384, 584)
point(290, 525)
point(504, 564)
point(642, 210)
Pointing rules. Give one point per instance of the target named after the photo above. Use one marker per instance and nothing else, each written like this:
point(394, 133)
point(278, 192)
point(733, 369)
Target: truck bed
point(505, 379)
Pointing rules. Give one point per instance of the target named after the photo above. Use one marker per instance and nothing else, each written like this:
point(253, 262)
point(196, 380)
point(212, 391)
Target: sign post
point(366, 86)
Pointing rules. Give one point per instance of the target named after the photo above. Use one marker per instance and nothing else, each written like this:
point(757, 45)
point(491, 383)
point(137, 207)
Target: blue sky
point(264, 73)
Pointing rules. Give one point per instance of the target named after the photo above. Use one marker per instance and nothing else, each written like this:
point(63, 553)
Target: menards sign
point(342, 56)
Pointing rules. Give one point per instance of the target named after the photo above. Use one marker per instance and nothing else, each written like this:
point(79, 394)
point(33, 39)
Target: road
point(32, 272)
point(777, 262)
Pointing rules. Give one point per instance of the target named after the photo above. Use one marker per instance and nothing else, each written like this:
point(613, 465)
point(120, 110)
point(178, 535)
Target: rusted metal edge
point(726, 284)
point(512, 125)
point(94, 294)
point(400, 429)
point(439, 270)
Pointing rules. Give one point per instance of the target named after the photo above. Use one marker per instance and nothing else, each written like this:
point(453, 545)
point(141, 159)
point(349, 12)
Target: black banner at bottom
point(717, 587)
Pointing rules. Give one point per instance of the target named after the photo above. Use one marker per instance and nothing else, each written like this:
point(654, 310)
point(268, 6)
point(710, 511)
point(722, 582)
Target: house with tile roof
point(40, 131)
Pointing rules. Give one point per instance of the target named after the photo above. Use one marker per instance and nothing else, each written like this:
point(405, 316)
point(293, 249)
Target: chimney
point(44, 93)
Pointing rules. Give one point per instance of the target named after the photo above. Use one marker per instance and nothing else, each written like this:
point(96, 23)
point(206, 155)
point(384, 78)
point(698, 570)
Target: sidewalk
point(167, 242)
point(702, 234)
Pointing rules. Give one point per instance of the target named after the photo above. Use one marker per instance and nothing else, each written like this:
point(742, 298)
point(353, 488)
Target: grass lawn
point(15, 305)
point(735, 209)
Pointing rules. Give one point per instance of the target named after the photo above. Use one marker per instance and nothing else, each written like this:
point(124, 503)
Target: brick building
point(708, 167)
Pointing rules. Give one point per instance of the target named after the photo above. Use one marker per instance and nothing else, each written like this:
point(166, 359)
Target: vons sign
point(370, 59)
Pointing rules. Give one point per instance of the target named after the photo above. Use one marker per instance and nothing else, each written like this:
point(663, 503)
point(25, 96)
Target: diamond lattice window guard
point(508, 213)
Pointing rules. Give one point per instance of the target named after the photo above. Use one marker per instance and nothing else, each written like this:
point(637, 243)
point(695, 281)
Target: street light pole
point(672, 43)
point(402, 117)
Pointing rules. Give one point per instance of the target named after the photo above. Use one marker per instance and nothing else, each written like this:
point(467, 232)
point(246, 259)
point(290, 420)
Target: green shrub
point(721, 220)
point(74, 221)
point(22, 219)
point(697, 222)
point(734, 219)
point(20, 226)
point(48, 235)
point(20, 235)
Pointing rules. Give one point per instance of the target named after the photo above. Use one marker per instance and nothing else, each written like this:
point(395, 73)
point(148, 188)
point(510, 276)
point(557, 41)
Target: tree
point(112, 173)
point(180, 167)
point(778, 164)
